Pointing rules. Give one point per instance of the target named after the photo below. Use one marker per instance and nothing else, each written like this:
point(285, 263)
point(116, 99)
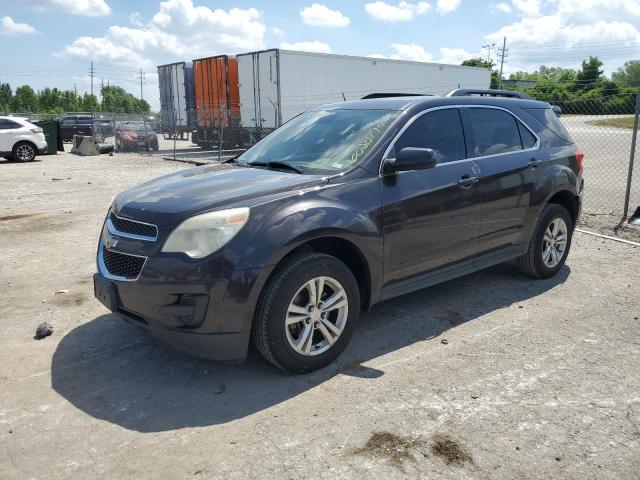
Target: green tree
point(89, 103)
point(479, 62)
point(24, 100)
point(589, 75)
point(5, 96)
point(118, 100)
point(50, 101)
point(70, 101)
point(628, 75)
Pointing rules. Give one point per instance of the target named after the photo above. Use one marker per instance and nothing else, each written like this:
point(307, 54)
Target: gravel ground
point(489, 376)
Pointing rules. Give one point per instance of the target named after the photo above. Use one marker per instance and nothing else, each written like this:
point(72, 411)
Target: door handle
point(533, 163)
point(467, 181)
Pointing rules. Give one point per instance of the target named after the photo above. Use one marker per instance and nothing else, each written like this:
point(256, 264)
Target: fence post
point(631, 161)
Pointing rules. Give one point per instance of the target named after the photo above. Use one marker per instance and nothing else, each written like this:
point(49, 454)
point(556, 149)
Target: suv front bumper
point(207, 315)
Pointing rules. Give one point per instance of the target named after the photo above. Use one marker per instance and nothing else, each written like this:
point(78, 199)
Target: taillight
point(36, 130)
point(579, 159)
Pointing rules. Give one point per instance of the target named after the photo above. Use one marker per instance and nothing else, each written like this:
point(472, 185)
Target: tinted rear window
point(549, 119)
point(495, 131)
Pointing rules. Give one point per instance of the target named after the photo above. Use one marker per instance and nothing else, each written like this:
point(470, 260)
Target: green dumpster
point(50, 130)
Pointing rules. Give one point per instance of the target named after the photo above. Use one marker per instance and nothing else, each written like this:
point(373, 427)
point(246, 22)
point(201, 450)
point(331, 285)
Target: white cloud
point(9, 28)
point(88, 8)
point(417, 53)
point(501, 7)
point(315, 47)
point(179, 30)
point(136, 19)
point(455, 55)
point(278, 32)
point(570, 30)
point(319, 15)
point(402, 12)
point(411, 51)
point(447, 6)
point(528, 8)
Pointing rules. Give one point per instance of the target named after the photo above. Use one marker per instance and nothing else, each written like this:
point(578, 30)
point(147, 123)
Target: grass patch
point(622, 122)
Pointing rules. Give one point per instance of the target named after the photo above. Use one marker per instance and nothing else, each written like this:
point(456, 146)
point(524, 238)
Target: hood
point(168, 200)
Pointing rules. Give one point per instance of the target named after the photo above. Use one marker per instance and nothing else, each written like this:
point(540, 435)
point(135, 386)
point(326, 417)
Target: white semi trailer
point(177, 99)
point(276, 85)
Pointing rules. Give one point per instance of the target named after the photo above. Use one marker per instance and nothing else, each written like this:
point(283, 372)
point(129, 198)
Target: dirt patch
point(70, 299)
point(20, 216)
point(605, 224)
point(36, 222)
point(449, 450)
point(396, 449)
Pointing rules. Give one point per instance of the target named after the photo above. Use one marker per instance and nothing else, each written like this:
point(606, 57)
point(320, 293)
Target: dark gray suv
point(344, 206)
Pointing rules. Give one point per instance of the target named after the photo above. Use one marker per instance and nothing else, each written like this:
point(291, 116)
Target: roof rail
point(489, 92)
point(389, 95)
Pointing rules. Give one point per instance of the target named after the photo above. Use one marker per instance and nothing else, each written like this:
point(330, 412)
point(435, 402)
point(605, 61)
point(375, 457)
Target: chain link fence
point(602, 127)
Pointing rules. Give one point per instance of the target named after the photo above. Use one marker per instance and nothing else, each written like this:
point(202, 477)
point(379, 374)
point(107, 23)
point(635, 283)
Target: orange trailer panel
point(216, 90)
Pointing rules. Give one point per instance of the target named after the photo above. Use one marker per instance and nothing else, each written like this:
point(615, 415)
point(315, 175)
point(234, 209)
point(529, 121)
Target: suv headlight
point(204, 234)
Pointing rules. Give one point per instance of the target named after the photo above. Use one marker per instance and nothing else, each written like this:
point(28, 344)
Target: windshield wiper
point(284, 165)
point(231, 160)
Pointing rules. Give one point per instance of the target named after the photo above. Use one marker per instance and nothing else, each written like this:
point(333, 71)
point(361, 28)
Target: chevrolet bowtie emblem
point(110, 241)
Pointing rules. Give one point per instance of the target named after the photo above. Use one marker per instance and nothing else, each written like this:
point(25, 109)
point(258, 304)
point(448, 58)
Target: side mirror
point(411, 158)
point(556, 109)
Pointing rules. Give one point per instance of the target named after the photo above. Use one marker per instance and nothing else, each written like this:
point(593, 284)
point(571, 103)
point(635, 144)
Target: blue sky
point(51, 42)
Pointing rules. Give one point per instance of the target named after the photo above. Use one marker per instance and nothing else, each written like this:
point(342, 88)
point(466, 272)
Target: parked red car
point(135, 136)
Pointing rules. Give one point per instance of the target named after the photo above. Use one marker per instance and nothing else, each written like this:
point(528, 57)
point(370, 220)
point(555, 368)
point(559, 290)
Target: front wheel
point(550, 243)
point(306, 314)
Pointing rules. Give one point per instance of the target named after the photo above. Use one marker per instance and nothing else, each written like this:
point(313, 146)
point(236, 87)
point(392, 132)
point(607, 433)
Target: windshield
point(322, 141)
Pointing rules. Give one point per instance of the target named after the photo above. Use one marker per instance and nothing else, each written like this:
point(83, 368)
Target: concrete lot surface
point(489, 376)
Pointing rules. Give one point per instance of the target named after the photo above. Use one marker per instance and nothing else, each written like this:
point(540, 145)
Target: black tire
point(24, 152)
point(269, 331)
point(532, 263)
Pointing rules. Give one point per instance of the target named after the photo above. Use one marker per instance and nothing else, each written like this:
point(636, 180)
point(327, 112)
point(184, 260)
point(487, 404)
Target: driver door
point(431, 218)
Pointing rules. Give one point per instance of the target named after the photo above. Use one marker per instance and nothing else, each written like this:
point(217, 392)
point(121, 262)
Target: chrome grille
point(122, 265)
point(126, 227)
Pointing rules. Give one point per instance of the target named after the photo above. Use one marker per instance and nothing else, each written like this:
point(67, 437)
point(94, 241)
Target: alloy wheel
point(316, 316)
point(25, 153)
point(554, 242)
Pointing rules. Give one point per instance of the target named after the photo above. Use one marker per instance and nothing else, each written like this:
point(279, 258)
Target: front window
point(322, 141)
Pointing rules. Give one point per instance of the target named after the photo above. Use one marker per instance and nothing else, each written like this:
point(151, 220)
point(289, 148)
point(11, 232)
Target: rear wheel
point(550, 243)
point(24, 152)
point(306, 314)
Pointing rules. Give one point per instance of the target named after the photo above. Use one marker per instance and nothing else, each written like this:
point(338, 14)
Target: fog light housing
point(187, 312)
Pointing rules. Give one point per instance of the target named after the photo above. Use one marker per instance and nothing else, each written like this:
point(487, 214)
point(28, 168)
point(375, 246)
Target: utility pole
point(141, 82)
point(75, 89)
point(91, 74)
point(503, 51)
point(489, 47)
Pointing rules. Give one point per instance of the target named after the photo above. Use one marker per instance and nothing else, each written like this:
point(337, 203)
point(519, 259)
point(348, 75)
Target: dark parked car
point(135, 136)
point(344, 206)
point(71, 125)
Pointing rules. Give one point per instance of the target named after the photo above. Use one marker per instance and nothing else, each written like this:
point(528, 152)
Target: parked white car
point(20, 140)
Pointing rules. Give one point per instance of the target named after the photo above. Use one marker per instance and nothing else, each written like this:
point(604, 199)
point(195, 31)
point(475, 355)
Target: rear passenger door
point(7, 134)
point(505, 151)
